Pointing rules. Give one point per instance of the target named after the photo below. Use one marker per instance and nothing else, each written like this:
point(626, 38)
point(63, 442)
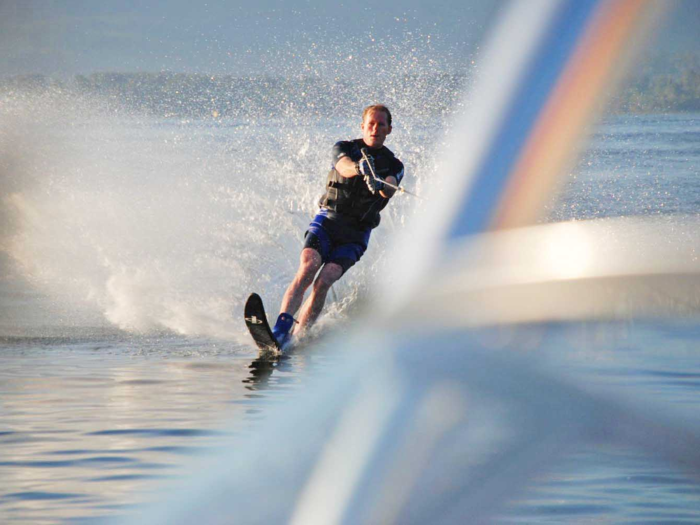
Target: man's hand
point(373, 185)
point(365, 168)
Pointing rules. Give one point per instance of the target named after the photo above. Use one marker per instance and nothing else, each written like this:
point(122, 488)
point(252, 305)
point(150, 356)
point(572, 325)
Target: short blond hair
point(377, 107)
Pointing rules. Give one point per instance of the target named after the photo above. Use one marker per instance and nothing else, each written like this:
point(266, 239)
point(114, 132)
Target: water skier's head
point(376, 125)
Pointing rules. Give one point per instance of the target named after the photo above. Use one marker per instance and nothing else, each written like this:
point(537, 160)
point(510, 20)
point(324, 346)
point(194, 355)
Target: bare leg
point(309, 263)
point(313, 306)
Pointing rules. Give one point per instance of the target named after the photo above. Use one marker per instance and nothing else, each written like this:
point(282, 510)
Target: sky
point(217, 36)
point(67, 37)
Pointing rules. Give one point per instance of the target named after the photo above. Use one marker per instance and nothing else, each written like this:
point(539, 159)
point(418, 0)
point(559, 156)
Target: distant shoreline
point(662, 85)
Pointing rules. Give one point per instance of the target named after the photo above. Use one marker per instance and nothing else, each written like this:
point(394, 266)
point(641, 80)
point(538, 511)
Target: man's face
point(375, 128)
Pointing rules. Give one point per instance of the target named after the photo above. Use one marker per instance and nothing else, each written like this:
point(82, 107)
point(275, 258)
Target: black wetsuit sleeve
point(342, 149)
point(397, 170)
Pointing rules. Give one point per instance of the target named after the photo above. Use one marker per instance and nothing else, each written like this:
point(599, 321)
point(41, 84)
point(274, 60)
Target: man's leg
point(309, 263)
point(313, 306)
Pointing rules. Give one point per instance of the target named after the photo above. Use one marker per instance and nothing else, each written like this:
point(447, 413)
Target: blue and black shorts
point(337, 242)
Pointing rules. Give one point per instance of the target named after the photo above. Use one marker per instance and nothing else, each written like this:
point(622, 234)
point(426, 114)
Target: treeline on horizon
point(663, 85)
point(186, 95)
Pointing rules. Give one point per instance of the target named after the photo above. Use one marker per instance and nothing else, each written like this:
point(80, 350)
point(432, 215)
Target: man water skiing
point(338, 235)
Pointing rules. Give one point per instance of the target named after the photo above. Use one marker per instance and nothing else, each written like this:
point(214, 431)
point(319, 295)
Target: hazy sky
point(252, 37)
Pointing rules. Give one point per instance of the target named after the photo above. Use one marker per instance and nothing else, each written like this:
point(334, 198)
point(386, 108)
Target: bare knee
point(330, 273)
point(309, 263)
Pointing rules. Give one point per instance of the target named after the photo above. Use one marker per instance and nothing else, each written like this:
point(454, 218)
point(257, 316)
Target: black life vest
point(350, 197)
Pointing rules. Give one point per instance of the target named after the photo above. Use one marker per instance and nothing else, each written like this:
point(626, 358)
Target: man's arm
point(394, 179)
point(346, 167)
point(388, 192)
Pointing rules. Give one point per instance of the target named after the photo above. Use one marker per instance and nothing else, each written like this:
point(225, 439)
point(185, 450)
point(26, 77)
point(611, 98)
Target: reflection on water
point(95, 428)
point(92, 429)
point(608, 485)
point(658, 361)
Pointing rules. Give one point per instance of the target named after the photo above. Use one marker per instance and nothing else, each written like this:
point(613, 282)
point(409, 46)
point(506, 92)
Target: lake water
point(129, 246)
